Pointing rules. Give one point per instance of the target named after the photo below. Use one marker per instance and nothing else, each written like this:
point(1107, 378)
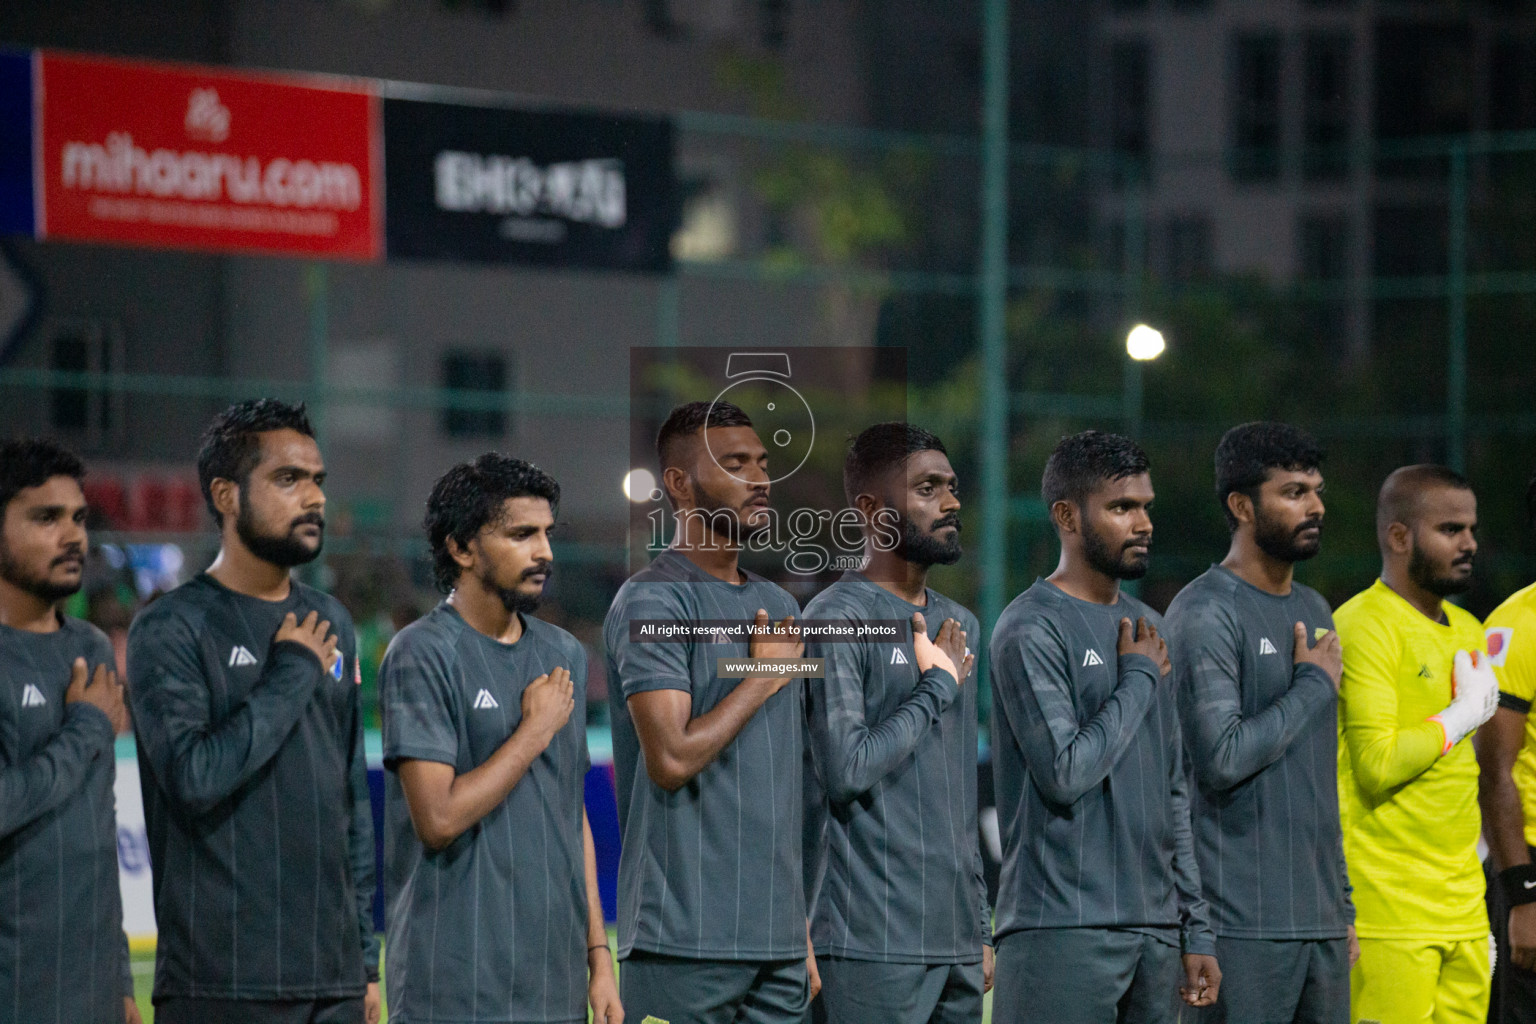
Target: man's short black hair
point(686, 421)
point(1398, 499)
point(231, 448)
point(1085, 461)
point(32, 462)
point(470, 497)
point(1248, 453)
point(879, 449)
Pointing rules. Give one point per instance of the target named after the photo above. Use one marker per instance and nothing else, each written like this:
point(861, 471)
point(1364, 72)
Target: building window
point(658, 18)
point(1410, 240)
point(1512, 86)
point(773, 23)
point(1130, 101)
point(1187, 248)
point(1323, 247)
point(1255, 152)
point(1325, 106)
point(1423, 79)
point(475, 371)
point(91, 413)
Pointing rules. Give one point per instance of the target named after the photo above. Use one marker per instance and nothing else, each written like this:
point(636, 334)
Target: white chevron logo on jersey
point(897, 658)
point(1091, 657)
point(240, 656)
point(1265, 647)
point(32, 697)
point(484, 701)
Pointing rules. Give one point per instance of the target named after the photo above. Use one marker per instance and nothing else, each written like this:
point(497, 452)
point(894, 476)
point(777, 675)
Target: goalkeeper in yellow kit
point(1416, 685)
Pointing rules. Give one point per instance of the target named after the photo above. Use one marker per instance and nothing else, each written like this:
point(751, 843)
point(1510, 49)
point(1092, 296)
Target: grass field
point(144, 976)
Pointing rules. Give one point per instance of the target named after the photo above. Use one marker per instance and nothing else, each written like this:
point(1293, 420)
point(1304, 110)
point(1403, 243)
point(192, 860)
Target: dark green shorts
point(260, 1011)
point(681, 990)
point(861, 991)
point(1087, 976)
point(1280, 981)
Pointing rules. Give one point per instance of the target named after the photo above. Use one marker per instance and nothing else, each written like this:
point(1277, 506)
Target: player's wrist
point(1519, 884)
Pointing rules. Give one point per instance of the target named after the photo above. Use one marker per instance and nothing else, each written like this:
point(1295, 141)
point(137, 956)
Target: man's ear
point(1399, 538)
point(1065, 516)
point(1241, 506)
point(868, 505)
point(679, 486)
point(226, 497)
point(461, 555)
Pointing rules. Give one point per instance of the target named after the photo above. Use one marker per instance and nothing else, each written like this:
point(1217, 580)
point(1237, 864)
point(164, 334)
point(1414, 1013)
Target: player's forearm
point(1227, 748)
point(1195, 932)
point(862, 756)
point(1088, 755)
point(360, 846)
point(44, 781)
point(1389, 757)
point(479, 791)
point(597, 930)
point(1503, 820)
point(681, 753)
point(200, 764)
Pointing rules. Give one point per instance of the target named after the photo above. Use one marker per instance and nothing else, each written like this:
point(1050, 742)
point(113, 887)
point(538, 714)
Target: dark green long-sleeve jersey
point(1092, 796)
point(1261, 734)
point(899, 876)
point(63, 956)
point(255, 798)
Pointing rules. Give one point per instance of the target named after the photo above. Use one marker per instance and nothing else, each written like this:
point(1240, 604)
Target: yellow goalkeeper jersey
point(1512, 650)
point(1410, 816)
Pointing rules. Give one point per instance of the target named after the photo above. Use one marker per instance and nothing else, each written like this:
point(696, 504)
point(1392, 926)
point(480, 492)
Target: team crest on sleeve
point(1497, 640)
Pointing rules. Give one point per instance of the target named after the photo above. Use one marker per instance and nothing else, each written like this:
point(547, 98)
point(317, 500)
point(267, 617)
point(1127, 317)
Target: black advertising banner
point(520, 186)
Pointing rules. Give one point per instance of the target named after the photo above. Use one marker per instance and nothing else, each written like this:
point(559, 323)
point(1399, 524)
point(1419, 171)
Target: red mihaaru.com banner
point(187, 157)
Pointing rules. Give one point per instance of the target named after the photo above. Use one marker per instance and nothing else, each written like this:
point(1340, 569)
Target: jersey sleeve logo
point(239, 657)
point(1498, 639)
point(897, 658)
point(484, 701)
point(32, 697)
point(1091, 658)
point(337, 671)
point(1265, 647)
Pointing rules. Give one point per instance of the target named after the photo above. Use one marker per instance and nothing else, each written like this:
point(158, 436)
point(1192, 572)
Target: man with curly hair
point(490, 869)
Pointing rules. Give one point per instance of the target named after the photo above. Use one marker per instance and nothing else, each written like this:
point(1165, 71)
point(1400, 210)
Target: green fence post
point(992, 298)
point(1456, 309)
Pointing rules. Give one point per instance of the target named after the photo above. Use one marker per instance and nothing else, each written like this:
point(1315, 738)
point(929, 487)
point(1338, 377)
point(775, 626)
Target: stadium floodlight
point(1144, 343)
point(640, 486)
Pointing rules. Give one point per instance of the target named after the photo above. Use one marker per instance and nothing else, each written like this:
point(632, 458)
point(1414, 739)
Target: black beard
point(922, 547)
point(725, 521)
point(39, 587)
point(1114, 564)
point(286, 551)
point(1281, 544)
point(1423, 574)
point(514, 600)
